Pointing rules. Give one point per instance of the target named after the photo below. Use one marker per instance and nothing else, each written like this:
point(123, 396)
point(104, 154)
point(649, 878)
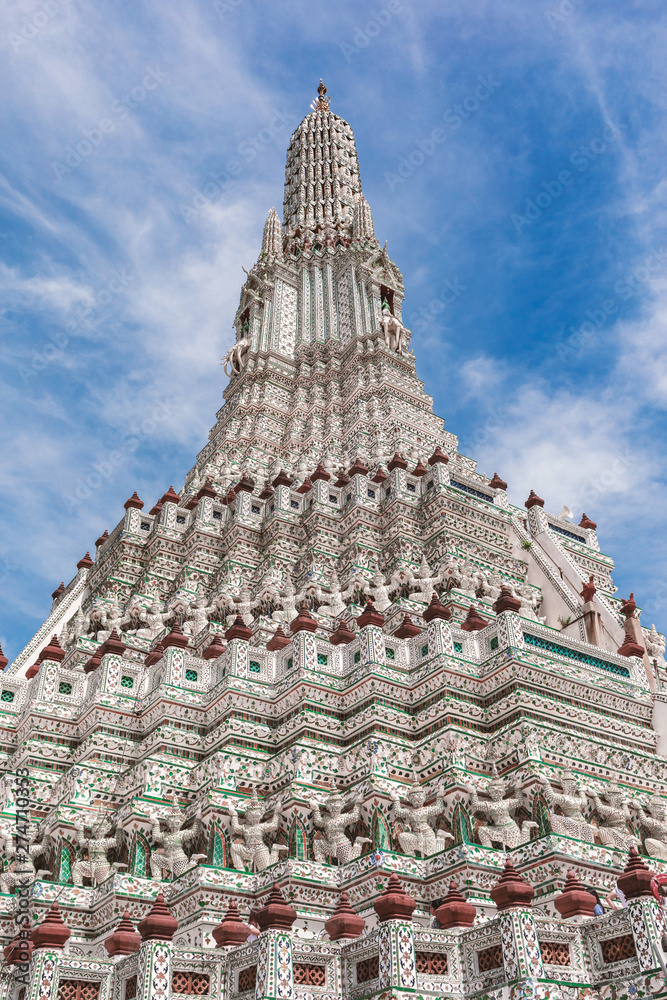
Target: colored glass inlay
point(573, 654)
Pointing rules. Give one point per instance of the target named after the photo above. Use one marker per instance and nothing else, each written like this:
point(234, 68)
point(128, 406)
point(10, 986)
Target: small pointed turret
point(511, 890)
point(277, 914)
point(345, 923)
point(455, 910)
point(159, 924)
point(215, 648)
point(52, 933)
point(272, 239)
point(407, 629)
point(362, 220)
point(176, 638)
point(124, 940)
point(54, 651)
point(394, 903)
point(279, 640)
point(232, 932)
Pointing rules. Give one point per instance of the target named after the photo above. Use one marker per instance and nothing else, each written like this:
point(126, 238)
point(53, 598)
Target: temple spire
point(322, 180)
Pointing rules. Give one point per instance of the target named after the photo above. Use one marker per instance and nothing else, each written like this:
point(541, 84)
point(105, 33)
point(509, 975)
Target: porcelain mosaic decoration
point(337, 653)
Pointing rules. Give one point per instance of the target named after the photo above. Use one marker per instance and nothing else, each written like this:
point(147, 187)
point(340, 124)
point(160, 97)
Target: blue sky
point(513, 153)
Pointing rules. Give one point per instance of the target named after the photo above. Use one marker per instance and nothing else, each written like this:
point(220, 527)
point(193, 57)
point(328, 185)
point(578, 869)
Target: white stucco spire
point(362, 224)
point(322, 180)
point(272, 241)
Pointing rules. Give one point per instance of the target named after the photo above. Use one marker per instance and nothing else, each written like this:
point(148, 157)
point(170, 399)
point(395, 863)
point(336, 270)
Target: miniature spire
point(455, 910)
point(159, 924)
point(272, 240)
point(345, 923)
point(52, 933)
point(635, 881)
point(135, 501)
point(533, 501)
point(232, 932)
point(277, 914)
point(511, 890)
point(215, 648)
point(407, 629)
point(473, 621)
point(575, 900)
point(238, 630)
point(436, 609)
point(394, 903)
point(279, 640)
point(362, 221)
point(54, 651)
point(124, 940)
point(342, 635)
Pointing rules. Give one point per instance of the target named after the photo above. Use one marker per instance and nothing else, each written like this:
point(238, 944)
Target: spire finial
point(322, 103)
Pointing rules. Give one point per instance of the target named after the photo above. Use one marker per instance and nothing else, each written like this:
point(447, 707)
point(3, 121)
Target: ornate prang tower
point(339, 653)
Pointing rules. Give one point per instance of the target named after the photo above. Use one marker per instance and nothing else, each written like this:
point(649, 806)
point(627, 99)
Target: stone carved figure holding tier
point(424, 582)
point(169, 855)
point(572, 801)
point(96, 866)
point(420, 837)
point(333, 598)
point(22, 869)
point(379, 592)
point(616, 816)
point(335, 843)
point(253, 832)
point(655, 824)
point(502, 828)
